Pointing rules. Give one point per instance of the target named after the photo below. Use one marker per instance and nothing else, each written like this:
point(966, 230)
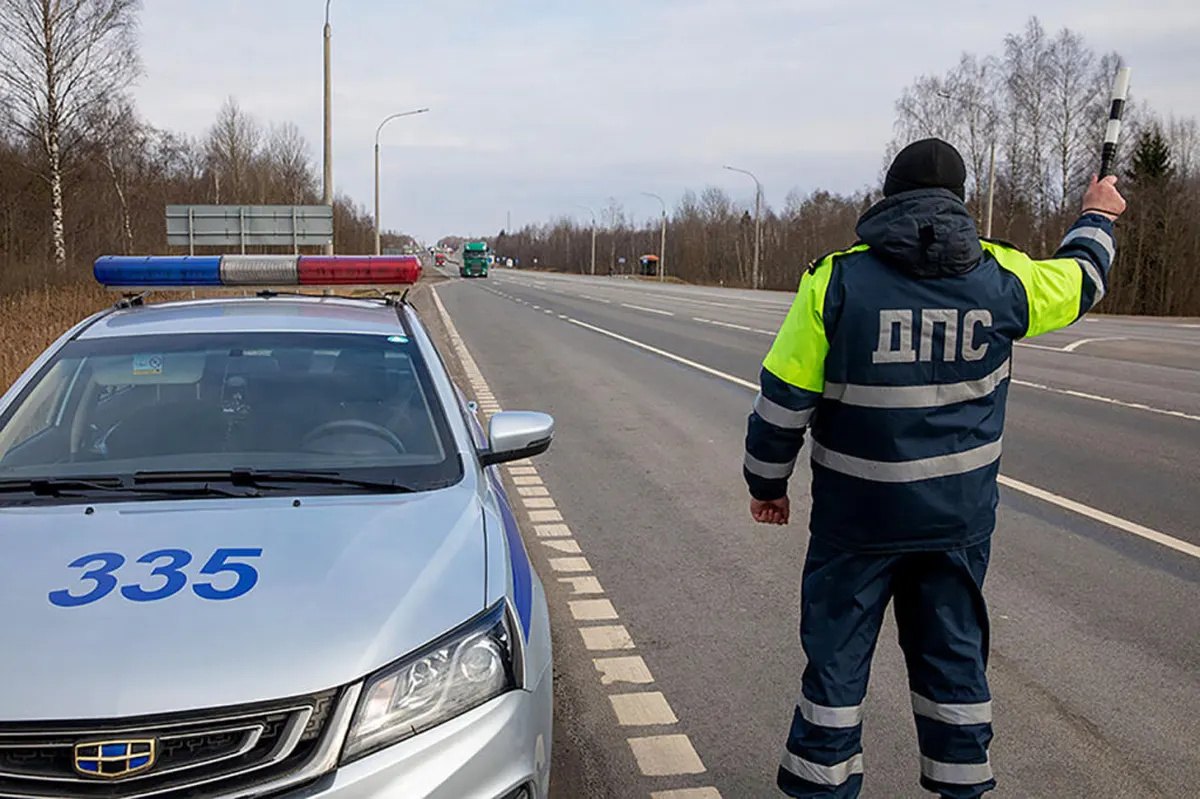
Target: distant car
point(258, 546)
point(440, 259)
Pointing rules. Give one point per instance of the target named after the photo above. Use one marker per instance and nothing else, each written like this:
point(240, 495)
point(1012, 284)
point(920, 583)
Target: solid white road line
point(1074, 345)
point(1109, 400)
point(1124, 525)
point(669, 355)
point(1092, 513)
point(647, 310)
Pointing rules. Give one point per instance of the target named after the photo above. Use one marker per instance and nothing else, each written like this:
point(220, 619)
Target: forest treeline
point(1041, 101)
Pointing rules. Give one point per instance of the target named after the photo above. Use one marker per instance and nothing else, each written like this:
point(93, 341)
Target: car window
point(231, 401)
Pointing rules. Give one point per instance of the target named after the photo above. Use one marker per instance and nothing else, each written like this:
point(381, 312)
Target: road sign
point(245, 226)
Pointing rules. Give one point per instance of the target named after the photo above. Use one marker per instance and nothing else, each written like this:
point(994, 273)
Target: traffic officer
point(897, 354)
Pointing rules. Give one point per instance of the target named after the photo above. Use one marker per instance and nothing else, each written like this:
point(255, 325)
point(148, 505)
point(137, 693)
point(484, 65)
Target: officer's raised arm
point(1061, 289)
point(791, 383)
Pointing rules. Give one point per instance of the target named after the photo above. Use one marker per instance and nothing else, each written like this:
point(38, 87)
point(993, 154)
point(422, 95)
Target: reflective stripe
point(822, 775)
point(958, 714)
point(769, 471)
point(908, 471)
point(1098, 235)
point(834, 717)
point(780, 416)
point(928, 396)
point(1089, 269)
point(956, 773)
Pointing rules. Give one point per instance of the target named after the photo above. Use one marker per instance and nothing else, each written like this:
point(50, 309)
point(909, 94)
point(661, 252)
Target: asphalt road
point(1096, 640)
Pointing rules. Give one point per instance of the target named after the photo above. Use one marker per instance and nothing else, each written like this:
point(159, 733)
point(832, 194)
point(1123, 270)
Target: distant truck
point(476, 258)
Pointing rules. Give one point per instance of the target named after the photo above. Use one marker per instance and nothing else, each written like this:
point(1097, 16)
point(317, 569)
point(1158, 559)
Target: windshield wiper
point(81, 486)
point(59, 486)
point(259, 478)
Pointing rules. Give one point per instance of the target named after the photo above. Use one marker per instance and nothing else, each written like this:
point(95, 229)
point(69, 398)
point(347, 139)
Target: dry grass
point(33, 316)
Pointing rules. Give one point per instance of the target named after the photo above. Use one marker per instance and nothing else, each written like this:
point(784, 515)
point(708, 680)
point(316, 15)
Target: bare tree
point(290, 164)
point(1072, 96)
point(59, 59)
point(232, 146)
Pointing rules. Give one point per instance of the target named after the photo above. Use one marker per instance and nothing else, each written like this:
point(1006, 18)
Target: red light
point(358, 270)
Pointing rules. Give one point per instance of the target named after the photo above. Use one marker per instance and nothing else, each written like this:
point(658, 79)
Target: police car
point(256, 546)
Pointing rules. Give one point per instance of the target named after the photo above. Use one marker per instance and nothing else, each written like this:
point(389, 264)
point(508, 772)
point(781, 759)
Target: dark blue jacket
point(897, 354)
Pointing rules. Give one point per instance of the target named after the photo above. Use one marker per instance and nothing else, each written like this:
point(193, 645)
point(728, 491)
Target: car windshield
point(358, 406)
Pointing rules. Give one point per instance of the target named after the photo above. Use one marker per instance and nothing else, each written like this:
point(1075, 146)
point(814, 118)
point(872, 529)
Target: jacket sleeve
point(791, 383)
point(1062, 289)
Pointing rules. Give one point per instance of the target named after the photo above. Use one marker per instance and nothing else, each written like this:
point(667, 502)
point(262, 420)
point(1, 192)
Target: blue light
point(183, 270)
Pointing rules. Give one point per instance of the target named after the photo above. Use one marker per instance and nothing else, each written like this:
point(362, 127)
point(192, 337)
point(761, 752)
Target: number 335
point(101, 568)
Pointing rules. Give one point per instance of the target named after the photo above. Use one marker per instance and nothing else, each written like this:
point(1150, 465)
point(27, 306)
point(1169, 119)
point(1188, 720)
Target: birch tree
point(60, 60)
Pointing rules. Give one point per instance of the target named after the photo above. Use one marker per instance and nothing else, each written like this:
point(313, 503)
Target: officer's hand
point(775, 511)
point(1102, 197)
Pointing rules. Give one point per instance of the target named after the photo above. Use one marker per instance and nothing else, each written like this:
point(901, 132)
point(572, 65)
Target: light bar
point(189, 271)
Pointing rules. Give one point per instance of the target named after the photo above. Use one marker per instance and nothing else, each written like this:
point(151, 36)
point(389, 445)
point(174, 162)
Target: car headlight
point(457, 673)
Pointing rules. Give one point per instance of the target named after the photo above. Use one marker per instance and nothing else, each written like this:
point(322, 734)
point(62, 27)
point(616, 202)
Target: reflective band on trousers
point(780, 416)
point(1095, 234)
point(956, 773)
point(769, 471)
point(908, 471)
point(833, 717)
point(957, 714)
point(822, 775)
point(928, 396)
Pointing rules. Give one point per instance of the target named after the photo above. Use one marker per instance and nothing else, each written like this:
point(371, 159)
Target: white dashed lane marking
point(601, 639)
point(660, 756)
point(631, 670)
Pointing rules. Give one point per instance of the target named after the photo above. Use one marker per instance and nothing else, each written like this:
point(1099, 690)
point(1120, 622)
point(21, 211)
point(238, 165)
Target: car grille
point(242, 752)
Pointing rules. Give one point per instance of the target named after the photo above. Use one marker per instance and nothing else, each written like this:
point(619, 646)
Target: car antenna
point(131, 300)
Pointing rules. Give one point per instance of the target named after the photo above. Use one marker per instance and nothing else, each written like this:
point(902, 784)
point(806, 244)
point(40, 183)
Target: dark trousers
point(943, 627)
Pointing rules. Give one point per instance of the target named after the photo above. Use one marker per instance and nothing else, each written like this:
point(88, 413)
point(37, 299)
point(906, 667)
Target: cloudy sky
point(539, 106)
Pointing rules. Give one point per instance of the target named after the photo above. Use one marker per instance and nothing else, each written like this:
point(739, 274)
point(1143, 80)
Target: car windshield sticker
point(148, 363)
point(398, 339)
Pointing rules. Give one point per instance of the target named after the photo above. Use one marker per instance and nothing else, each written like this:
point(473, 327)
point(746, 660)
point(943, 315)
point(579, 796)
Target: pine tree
point(1152, 161)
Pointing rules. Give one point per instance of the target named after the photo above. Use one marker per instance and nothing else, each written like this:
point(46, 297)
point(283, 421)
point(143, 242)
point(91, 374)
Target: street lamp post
point(662, 248)
point(327, 192)
point(379, 130)
point(758, 192)
point(991, 190)
point(593, 213)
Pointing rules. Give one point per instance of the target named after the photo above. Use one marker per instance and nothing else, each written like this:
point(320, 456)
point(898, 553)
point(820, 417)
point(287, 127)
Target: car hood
point(345, 586)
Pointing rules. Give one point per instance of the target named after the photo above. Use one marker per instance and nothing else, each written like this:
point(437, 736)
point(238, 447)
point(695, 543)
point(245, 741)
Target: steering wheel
point(355, 426)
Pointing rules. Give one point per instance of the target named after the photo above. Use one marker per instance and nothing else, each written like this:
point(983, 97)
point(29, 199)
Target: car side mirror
point(513, 435)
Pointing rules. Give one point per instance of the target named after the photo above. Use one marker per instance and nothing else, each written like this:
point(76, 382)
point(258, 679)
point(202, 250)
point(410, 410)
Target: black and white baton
point(1113, 132)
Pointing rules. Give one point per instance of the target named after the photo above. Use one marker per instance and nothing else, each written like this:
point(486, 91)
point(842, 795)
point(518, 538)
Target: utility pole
point(593, 213)
point(379, 130)
point(662, 248)
point(758, 192)
point(327, 193)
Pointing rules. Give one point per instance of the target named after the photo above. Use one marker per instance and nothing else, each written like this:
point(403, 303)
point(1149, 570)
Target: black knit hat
point(926, 164)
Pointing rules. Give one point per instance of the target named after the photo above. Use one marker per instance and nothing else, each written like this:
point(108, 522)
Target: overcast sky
point(542, 105)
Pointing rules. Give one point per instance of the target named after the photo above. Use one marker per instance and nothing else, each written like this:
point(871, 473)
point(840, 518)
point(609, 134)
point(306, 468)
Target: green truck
point(476, 258)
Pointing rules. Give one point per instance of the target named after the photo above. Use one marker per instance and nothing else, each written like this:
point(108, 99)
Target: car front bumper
point(489, 753)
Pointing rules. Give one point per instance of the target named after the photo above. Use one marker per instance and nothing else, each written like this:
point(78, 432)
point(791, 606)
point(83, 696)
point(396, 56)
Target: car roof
point(278, 314)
